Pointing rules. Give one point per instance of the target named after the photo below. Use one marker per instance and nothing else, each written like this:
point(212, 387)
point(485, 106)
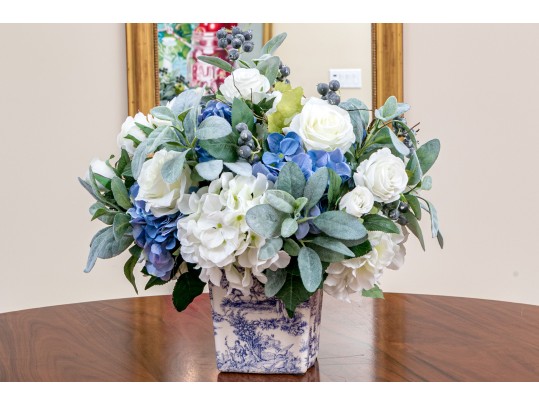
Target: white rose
point(247, 84)
point(162, 198)
point(323, 126)
point(357, 202)
point(129, 127)
point(383, 174)
point(100, 167)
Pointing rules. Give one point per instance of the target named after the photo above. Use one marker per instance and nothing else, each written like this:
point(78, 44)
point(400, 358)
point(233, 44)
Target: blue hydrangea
point(203, 155)
point(218, 108)
point(156, 236)
point(332, 160)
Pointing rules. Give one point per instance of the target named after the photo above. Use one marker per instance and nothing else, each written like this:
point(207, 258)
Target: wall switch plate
point(349, 78)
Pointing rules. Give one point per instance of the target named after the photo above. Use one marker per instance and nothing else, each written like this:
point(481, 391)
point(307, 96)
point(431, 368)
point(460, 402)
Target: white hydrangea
point(215, 234)
point(354, 275)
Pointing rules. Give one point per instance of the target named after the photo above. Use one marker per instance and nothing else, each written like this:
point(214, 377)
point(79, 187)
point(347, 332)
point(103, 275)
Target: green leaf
point(435, 226)
point(240, 167)
point(310, 269)
point(190, 124)
point(334, 189)
point(242, 113)
point(121, 225)
point(299, 203)
point(289, 227)
point(374, 292)
point(105, 246)
point(340, 225)
point(210, 170)
point(153, 281)
point(426, 183)
point(333, 245)
point(276, 280)
point(427, 154)
point(413, 169)
point(246, 64)
point(265, 220)
point(213, 127)
point(123, 162)
point(173, 168)
point(375, 222)
point(414, 227)
point(359, 115)
point(413, 201)
point(270, 248)
point(315, 187)
point(390, 107)
point(287, 108)
point(274, 43)
point(291, 247)
point(280, 200)
point(270, 68)
point(440, 239)
point(187, 288)
point(130, 265)
point(104, 181)
point(215, 61)
point(147, 131)
point(292, 293)
point(119, 191)
point(164, 113)
point(100, 211)
point(222, 148)
point(362, 249)
point(397, 144)
point(327, 255)
point(291, 180)
point(186, 100)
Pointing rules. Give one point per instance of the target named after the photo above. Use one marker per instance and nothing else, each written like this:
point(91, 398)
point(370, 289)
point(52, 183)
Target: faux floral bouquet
point(258, 184)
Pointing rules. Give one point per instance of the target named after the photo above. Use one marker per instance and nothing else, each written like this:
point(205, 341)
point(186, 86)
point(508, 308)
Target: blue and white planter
point(253, 333)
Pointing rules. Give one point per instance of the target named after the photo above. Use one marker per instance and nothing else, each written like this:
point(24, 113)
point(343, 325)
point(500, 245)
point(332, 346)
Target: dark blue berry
point(221, 33)
point(240, 37)
point(334, 85)
point(248, 46)
point(236, 30)
point(322, 89)
point(236, 43)
point(333, 98)
point(250, 143)
point(402, 220)
point(285, 71)
point(242, 126)
point(394, 215)
point(246, 135)
point(244, 152)
point(248, 35)
point(229, 38)
point(233, 54)
point(403, 207)
point(223, 43)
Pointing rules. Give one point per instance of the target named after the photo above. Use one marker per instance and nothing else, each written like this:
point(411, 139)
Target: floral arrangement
point(258, 184)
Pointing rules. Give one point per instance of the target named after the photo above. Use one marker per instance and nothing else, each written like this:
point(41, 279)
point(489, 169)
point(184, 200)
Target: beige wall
point(312, 49)
point(62, 101)
point(476, 88)
point(63, 98)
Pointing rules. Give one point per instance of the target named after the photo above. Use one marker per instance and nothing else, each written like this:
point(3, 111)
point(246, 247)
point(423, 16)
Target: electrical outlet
point(349, 78)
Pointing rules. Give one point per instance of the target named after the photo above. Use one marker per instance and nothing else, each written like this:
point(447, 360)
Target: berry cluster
point(246, 143)
point(328, 91)
point(395, 210)
point(284, 72)
point(402, 131)
point(237, 39)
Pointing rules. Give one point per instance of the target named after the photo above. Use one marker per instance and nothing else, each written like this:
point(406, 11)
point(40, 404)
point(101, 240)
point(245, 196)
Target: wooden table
point(402, 338)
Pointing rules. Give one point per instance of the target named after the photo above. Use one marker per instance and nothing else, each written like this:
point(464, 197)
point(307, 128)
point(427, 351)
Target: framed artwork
point(161, 60)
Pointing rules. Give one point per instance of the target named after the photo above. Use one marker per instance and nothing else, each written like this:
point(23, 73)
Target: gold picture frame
point(142, 64)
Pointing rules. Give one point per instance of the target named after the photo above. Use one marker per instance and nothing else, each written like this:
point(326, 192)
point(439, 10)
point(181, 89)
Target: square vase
point(253, 333)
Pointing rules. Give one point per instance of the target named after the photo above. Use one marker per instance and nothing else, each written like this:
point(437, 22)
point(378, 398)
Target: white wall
point(63, 98)
point(476, 88)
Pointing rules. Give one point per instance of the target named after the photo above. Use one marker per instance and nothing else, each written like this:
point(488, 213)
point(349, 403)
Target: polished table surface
point(402, 338)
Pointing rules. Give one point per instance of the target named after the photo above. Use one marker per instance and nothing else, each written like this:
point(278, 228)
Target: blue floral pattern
point(253, 333)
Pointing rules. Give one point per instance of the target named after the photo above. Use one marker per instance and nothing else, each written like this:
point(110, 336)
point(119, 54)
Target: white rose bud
point(357, 202)
point(383, 174)
point(100, 167)
point(161, 198)
point(129, 127)
point(323, 126)
point(247, 84)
